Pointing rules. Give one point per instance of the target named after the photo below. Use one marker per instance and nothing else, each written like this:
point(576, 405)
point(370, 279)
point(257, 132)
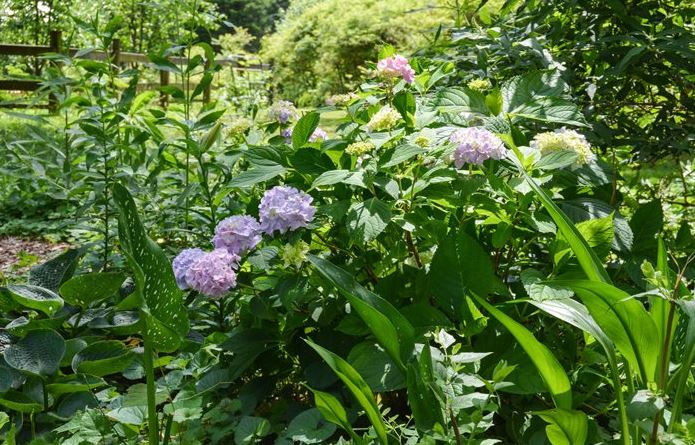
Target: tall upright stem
point(152, 420)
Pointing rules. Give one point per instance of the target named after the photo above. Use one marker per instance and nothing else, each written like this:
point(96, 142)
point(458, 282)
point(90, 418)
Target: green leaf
point(527, 88)
point(340, 177)
point(74, 383)
point(256, 175)
point(366, 220)
point(17, 401)
point(309, 427)
point(598, 234)
point(250, 429)
point(565, 427)
point(625, 322)
point(548, 367)
point(551, 109)
point(38, 353)
point(456, 100)
point(646, 223)
point(398, 155)
point(357, 386)
point(391, 329)
point(557, 159)
point(84, 290)
point(165, 317)
point(644, 405)
point(333, 411)
point(423, 401)
point(592, 266)
point(460, 266)
point(304, 128)
point(404, 102)
point(102, 358)
point(35, 297)
point(376, 367)
point(54, 272)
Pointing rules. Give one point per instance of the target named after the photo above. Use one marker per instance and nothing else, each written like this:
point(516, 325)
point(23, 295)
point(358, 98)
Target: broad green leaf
point(340, 177)
point(461, 266)
point(551, 109)
point(256, 175)
point(35, 297)
point(38, 353)
point(17, 401)
point(54, 272)
point(74, 383)
point(84, 290)
point(376, 367)
point(250, 429)
point(556, 159)
point(165, 317)
point(333, 411)
point(527, 88)
point(548, 367)
point(687, 360)
point(4, 419)
point(565, 427)
point(598, 234)
point(309, 427)
point(646, 223)
point(456, 100)
point(404, 102)
point(398, 155)
point(304, 128)
point(659, 307)
point(391, 329)
point(102, 358)
point(625, 322)
point(366, 220)
point(357, 386)
point(592, 266)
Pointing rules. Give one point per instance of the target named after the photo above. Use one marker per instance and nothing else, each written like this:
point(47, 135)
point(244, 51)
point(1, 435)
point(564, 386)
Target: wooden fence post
point(56, 47)
point(116, 52)
point(164, 81)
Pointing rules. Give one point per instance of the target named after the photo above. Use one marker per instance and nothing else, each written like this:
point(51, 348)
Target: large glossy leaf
point(74, 383)
point(54, 272)
point(565, 427)
point(165, 317)
point(304, 128)
point(17, 401)
point(35, 297)
point(625, 322)
point(391, 329)
point(309, 427)
point(421, 397)
point(546, 363)
point(458, 100)
point(102, 358)
point(83, 290)
point(38, 353)
point(366, 220)
point(357, 386)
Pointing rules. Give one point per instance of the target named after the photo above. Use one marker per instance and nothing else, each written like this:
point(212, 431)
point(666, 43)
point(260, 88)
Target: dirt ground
point(17, 255)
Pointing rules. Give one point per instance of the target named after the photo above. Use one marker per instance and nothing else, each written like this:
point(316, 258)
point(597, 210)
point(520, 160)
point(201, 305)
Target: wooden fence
point(116, 56)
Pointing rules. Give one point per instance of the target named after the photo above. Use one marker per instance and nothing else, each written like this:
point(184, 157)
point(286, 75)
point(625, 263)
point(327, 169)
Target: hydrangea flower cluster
point(338, 100)
point(475, 145)
point(295, 254)
point(360, 148)
point(283, 111)
point(285, 208)
point(239, 126)
point(564, 139)
point(396, 66)
point(317, 135)
point(237, 234)
point(480, 84)
point(384, 119)
point(214, 273)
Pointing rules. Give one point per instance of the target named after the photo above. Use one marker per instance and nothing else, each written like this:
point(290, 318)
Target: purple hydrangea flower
point(237, 234)
point(476, 145)
point(213, 273)
point(317, 135)
point(182, 262)
point(283, 112)
point(285, 208)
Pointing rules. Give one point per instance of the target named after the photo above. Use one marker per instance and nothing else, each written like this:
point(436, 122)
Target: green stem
point(45, 395)
point(637, 434)
point(167, 430)
point(152, 420)
point(618, 388)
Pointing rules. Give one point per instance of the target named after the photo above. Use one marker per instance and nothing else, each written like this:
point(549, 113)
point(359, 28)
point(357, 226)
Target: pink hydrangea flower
point(475, 145)
point(396, 66)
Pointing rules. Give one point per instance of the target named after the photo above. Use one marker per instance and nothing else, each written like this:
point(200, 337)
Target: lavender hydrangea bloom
point(285, 208)
point(237, 234)
point(182, 263)
point(213, 274)
point(283, 112)
point(476, 145)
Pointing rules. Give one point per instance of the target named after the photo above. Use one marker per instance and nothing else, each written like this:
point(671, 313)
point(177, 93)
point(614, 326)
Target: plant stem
point(618, 388)
point(637, 435)
point(167, 430)
point(152, 425)
point(45, 395)
point(455, 425)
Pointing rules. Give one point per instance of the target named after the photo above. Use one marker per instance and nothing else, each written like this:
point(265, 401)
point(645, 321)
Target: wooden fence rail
point(116, 56)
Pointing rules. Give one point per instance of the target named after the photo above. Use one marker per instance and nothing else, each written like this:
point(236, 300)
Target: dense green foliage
point(467, 267)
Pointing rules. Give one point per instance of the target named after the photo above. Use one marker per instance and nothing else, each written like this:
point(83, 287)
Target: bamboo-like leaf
point(549, 368)
point(391, 329)
point(625, 322)
point(565, 427)
point(334, 412)
point(357, 386)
